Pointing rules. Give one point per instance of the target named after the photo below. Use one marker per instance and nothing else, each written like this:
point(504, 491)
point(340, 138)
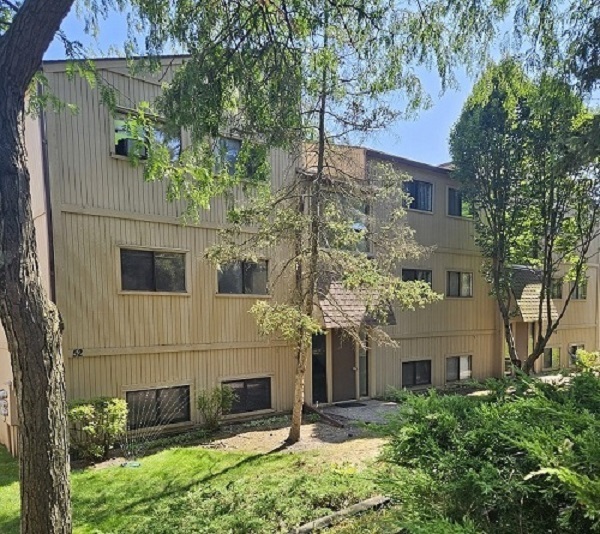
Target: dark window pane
point(255, 278)
point(423, 372)
point(141, 409)
point(173, 405)
point(452, 369)
point(137, 271)
point(251, 395)
point(411, 275)
point(454, 202)
point(228, 150)
point(424, 196)
point(169, 271)
point(230, 279)
point(408, 374)
point(453, 289)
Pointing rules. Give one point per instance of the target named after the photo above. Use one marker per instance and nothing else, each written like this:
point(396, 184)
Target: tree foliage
point(534, 192)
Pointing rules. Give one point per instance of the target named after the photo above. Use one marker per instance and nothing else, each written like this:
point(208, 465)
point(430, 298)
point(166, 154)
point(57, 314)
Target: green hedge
point(96, 425)
point(526, 458)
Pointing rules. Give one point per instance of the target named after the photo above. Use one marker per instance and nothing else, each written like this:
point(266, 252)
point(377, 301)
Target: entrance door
point(344, 366)
point(319, 369)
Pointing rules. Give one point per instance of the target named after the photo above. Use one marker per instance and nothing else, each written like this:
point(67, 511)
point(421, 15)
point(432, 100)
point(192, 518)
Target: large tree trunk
point(33, 330)
point(30, 320)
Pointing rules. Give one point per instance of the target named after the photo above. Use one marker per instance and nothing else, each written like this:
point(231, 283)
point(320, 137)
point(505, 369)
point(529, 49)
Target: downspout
point(48, 202)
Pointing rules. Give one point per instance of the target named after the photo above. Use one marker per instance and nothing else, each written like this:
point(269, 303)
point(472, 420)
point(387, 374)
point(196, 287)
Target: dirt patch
point(336, 445)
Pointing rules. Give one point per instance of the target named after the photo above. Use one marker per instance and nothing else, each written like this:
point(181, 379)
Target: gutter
point(48, 203)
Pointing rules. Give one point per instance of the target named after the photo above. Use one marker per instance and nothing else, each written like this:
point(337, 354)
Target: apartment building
point(149, 319)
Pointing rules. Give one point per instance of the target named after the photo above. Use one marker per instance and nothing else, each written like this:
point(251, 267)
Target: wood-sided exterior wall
point(461, 326)
point(116, 341)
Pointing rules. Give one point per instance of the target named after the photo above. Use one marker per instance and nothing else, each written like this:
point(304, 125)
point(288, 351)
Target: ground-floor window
point(251, 394)
point(551, 358)
point(417, 373)
point(573, 348)
point(458, 368)
point(158, 407)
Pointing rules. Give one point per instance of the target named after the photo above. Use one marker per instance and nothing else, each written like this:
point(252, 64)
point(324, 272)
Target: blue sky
point(423, 139)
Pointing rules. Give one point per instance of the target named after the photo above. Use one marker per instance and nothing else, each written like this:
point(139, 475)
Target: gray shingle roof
point(526, 287)
point(345, 308)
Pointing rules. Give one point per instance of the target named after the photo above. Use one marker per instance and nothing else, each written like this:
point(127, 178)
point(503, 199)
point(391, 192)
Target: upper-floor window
point(244, 278)
point(556, 288)
point(150, 270)
point(459, 284)
point(421, 193)
point(414, 275)
point(132, 145)
point(227, 151)
point(580, 292)
point(457, 204)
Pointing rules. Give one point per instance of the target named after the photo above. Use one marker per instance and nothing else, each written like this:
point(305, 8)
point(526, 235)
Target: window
point(458, 368)
point(580, 292)
point(556, 288)
point(244, 278)
point(416, 373)
point(158, 407)
point(573, 348)
point(459, 284)
point(149, 270)
point(551, 358)
point(414, 275)
point(252, 394)
point(227, 151)
point(128, 143)
point(421, 194)
point(457, 205)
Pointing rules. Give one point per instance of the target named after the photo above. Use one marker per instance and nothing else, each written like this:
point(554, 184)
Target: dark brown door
point(344, 370)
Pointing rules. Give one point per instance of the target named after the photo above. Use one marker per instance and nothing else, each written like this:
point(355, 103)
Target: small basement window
point(149, 270)
point(158, 407)
point(417, 373)
point(458, 368)
point(252, 394)
point(551, 358)
point(244, 278)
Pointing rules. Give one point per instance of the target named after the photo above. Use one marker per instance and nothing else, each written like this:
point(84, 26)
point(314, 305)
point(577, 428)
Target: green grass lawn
point(189, 490)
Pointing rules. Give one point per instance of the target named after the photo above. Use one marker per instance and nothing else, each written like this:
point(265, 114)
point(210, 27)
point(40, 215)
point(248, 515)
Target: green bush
point(587, 361)
point(96, 425)
point(524, 459)
point(214, 403)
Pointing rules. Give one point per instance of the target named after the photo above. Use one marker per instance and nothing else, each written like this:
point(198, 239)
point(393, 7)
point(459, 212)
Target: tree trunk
point(296, 425)
point(33, 330)
point(31, 321)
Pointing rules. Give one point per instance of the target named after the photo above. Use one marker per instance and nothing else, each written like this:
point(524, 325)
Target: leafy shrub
point(524, 459)
point(96, 425)
point(587, 361)
point(214, 403)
